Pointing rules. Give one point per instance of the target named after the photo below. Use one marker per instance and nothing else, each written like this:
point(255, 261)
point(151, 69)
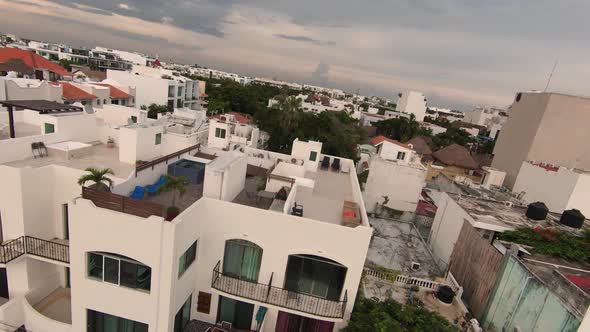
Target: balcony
point(56, 249)
point(280, 297)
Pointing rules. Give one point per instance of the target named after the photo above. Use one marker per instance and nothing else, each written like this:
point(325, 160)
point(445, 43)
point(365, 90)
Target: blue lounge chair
point(138, 192)
point(152, 189)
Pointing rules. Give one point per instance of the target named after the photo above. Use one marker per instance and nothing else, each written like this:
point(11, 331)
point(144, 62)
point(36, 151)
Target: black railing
point(47, 249)
point(13, 249)
point(266, 293)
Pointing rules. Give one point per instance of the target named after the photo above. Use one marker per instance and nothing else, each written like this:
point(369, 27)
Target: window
point(119, 270)
point(123, 102)
point(158, 138)
point(104, 101)
point(315, 275)
point(98, 101)
point(115, 102)
point(187, 258)
point(49, 128)
point(133, 119)
point(313, 155)
point(401, 155)
point(101, 322)
point(183, 315)
point(171, 91)
point(241, 259)
point(179, 103)
point(220, 132)
point(179, 91)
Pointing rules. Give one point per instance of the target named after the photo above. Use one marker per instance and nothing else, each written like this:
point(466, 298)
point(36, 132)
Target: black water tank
point(445, 294)
point(572, 218)
point(537, 211)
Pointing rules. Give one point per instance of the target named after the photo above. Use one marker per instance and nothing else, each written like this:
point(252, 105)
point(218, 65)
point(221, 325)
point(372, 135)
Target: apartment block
point(263, 241)
point(412, 102)
point(544, 127)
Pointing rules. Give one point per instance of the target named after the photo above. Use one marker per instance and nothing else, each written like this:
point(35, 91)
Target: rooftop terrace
point(21, 129)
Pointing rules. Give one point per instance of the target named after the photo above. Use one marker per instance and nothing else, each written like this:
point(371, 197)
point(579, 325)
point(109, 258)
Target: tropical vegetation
point(98, 177)
point(154, 110)
point(389, 315)
point(177, 185)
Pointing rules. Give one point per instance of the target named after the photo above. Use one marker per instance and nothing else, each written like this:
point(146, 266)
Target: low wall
point(35, 321)
point(20, 148)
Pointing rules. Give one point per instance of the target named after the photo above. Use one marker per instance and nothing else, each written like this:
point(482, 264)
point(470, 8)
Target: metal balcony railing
point(266, 293)
point(13, 249)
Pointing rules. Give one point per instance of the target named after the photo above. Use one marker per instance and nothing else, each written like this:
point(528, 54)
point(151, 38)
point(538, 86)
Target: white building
point(395, 172)
point(239, 251)
point(560, 188)
point(234, 131)
point(412, 102)
point(436, 129)
point(489, 117)
point(488, 216)
point(159, 86)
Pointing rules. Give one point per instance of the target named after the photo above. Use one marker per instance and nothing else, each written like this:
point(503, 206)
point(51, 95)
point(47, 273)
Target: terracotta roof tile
point(72, 92)
point(241, 118)
point(115, 92)
point(380, 139)
point(31, 60)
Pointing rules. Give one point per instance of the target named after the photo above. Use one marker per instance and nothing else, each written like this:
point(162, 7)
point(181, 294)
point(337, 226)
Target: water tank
point(537, 211)
point(445, 294)
point(572, 218)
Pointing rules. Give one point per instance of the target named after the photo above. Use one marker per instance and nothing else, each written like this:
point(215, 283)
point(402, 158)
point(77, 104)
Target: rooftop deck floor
point(99, 156)
point(193, 193)
point(57, 305)
point(324, 202)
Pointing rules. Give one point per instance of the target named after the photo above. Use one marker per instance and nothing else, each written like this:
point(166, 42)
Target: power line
point(551, 75)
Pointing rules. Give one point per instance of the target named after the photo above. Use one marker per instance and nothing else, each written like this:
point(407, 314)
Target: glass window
point(49, 128)
point(133, 119)
point(158, 138)
point(313, 155)
point(111, 270)
point(128, 274)
point(187, 258)
point(220, 132)
point(95, 265)
point(401, 155)
point(183, 315)
point(315, 275)
point(242, 260)
point(101, 322)
point(179, 103)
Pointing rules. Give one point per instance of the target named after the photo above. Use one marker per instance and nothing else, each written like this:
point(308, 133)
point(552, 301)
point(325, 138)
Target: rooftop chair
point(43, 149)
point(297, 210)
point(336, 165)
point(35, 150)
point(153, 188)
point(226, 326)
point(325, 163)
point(138, 192)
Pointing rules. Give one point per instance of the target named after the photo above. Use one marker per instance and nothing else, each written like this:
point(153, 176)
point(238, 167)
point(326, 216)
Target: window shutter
point(204, 302)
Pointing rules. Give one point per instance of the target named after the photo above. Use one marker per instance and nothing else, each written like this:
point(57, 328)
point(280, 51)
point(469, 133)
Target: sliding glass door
point(242, 260)
point(315, 275)
point(238, 313)
point(101, 322)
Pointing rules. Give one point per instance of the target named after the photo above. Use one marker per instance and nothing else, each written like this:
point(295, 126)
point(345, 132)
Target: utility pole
point(551, 75)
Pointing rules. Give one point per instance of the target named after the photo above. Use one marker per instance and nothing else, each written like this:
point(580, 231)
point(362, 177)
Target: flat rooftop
point(98, 156)
point(508, 216)
point(21, 129)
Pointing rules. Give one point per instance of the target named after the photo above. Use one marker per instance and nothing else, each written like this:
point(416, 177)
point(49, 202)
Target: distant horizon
point(459, 54)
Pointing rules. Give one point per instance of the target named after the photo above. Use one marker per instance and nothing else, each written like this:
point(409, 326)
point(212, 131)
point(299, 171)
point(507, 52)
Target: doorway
point(238, 313)
point(66, 221)
point(4, 284)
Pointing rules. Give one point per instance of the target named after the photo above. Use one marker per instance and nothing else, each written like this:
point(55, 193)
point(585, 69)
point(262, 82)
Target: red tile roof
point(241, 118)
point(380, 139)
point(580, 281)
point(115, 92)
point(72, 92)
point(31, 60)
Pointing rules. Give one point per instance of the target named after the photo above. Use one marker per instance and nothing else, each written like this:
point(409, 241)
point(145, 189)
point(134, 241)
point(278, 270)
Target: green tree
point(372, 315)
point(154, 109)
point(452, 135)
point(98, 176)
point(401, 129)
point(177, 186)
point(67, 64)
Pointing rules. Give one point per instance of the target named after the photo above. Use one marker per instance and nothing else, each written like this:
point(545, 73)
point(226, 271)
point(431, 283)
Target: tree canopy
point(389, 315)
point(401, 129)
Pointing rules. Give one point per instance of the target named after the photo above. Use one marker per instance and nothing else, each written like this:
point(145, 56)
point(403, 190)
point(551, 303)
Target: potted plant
point(176, 185)
point(379, 207)
point(110, 142)
point(98, 176)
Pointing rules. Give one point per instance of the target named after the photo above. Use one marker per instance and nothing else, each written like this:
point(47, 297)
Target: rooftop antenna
point(551, 74)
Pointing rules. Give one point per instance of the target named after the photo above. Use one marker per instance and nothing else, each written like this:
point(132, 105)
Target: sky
point(460, 53)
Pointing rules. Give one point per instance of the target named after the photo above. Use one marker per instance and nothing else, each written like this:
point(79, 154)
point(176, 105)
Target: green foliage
point(549, 241)
point(154, 109)
point(66, 64)
point(439, 122)
point(452, 135)
point(371, 315)
point(175, 184)
point(98, 176)
point(363, 177)
point(338, 132)
point(401, 129)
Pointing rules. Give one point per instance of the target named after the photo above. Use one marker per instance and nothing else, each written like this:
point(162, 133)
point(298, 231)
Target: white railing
point(403, 279)
point(454, 285)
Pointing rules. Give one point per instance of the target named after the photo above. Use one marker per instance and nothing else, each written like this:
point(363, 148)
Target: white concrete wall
point(390, 150)
point(552, 188)
point(139, 143)
point(445, 229)
point(120, 115)
point(148, 89)
point(302, 150)
point(412, 102)
point(217, 142)
point(401, 183)
point(580, 196)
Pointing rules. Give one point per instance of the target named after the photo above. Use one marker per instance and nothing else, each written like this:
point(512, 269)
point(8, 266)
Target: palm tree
point(176, 185)
point(98, 176)
point(289, 106)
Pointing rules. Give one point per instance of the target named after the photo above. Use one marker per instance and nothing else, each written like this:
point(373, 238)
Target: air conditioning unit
point(415, 266)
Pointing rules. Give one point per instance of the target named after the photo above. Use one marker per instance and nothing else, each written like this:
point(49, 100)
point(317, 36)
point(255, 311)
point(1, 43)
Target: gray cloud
point(305, 39)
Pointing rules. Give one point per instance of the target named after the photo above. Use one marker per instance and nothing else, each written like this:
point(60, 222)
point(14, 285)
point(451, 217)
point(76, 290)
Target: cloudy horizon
point(460, 53)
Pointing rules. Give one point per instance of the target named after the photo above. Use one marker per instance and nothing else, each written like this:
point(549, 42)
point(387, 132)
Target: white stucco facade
point(412, 102)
